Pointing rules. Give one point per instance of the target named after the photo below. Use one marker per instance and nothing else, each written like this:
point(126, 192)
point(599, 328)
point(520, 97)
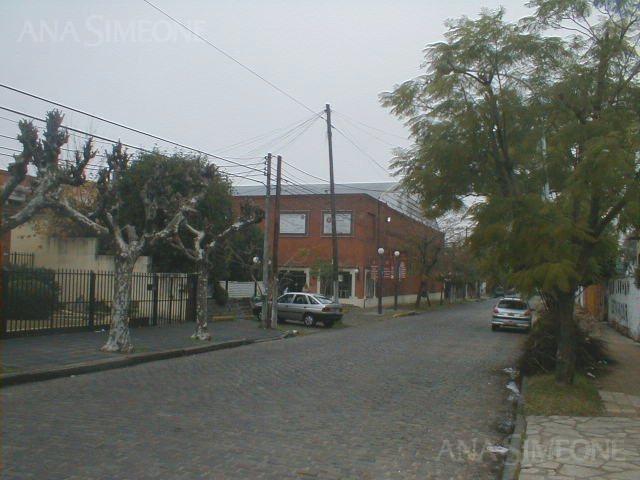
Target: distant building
point(363, 211)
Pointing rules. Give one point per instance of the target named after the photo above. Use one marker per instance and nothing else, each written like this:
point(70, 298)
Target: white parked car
point(512, 312)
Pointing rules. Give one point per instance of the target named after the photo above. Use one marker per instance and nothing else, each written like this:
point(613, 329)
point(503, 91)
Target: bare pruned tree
point(123, 186)
point(50, 176)
point(203, 238)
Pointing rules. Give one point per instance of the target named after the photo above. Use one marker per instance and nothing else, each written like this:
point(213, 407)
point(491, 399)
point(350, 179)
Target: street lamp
point(396, 265)
point(256, 260)
point(380, 275)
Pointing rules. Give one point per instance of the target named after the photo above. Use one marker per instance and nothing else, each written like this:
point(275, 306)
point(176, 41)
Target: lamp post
point(256, 262)
point(380, 275)
point(396, 267)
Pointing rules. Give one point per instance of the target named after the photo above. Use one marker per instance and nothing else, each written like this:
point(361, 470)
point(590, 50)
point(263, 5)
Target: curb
point(410, 313)
point(511, 470)
point(122, 362)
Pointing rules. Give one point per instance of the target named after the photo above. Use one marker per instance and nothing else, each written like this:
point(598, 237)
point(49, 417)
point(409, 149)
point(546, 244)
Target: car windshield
point(513, 304)
point(323, 299)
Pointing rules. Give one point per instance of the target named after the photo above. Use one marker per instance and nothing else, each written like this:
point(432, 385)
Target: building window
point(344, 285)
point(293, 223)
point(344, 223)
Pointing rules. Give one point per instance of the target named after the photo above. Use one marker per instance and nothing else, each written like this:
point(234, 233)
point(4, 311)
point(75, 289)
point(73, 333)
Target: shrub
point(539, 355)
point(220, 295)
point(32, 294)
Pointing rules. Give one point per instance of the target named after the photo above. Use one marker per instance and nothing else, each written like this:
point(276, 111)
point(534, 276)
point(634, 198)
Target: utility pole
point(265, 247)
point(396, 268)
point(380, 259)
point(276, 236)
point(332, 190)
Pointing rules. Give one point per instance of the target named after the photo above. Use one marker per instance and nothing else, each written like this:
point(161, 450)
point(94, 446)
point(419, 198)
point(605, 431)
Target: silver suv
point(512, 312)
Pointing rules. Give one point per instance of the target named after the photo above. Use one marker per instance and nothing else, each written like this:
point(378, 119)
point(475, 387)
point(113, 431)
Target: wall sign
point(343, 223)
point(293, 223)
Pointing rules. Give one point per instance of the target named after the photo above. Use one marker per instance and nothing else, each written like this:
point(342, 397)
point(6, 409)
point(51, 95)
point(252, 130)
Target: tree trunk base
point(119, 342)
point(202, 334)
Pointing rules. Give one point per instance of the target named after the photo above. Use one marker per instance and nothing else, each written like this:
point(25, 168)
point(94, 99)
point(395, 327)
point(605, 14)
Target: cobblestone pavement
point(410, 398)
point(567, 448)
point(46, 351)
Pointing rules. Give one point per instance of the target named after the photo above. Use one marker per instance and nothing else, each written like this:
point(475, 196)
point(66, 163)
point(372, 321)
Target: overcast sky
point(124, 61)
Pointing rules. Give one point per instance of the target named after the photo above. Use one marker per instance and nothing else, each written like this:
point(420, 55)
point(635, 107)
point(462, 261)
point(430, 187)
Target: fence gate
point(37, 301)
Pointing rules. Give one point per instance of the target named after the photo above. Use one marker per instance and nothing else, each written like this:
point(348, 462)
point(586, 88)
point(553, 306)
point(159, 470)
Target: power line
point(111, 141)
point(360, 149)
point(304, 130)
point(371, 127)
point(117, 124)
point(376, 137)
point(324, 180)
point(266, 146)
point(230, 57)
point(260, 137)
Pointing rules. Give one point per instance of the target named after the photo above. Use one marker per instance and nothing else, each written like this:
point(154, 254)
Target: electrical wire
point(369, 126)
point(360, 149)
point(118, 124)
point(260, 137)
point(111, 141)
point(230, 57)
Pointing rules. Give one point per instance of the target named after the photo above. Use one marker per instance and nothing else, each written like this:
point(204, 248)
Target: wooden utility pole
point(276, 236)
point(265, 248)
point(332, 190)
point(378, 246)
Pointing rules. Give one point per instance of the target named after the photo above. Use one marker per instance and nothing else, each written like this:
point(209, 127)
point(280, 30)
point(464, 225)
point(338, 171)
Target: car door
point(298, 307)
point(284, 305)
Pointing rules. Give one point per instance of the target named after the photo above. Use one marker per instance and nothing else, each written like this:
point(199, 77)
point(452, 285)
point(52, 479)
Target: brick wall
point(357, 250)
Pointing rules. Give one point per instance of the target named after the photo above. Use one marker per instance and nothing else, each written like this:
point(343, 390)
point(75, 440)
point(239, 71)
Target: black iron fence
point(36, 300)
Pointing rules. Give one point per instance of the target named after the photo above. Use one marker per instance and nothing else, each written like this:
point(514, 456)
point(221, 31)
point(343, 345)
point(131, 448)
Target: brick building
point(364, 211)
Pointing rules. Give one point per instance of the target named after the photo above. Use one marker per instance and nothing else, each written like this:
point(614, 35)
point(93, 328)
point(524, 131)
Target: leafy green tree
point(544, 130)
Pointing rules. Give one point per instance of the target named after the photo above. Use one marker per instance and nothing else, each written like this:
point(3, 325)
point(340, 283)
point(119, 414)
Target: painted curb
point(511, 470)
point(122, 362)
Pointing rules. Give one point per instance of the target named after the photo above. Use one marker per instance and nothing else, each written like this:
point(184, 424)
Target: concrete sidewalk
point(605, 447)
point(50, 352)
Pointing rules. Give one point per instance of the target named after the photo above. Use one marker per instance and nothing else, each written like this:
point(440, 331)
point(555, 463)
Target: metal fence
point(36, 301)
point(19, 259)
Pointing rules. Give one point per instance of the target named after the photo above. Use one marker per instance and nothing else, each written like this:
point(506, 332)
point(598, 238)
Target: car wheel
point(328, 323)
point(494, 327)
point(308, 320)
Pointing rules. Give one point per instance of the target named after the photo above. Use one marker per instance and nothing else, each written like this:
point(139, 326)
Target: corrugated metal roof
point(390, 193)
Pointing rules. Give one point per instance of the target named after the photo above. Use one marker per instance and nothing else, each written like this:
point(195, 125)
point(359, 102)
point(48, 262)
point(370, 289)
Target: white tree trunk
point(119, 336)
point(202, 312)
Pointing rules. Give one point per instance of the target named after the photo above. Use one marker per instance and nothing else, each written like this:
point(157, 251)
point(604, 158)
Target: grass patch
point(7, 369)
point(544, 396)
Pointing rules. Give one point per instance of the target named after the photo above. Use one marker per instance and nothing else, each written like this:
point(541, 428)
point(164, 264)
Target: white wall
point(76, 253)
point(239, 289)
point(624, 306)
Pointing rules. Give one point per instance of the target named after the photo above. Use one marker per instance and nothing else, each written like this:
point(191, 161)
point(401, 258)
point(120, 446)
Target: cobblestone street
point(408, 398)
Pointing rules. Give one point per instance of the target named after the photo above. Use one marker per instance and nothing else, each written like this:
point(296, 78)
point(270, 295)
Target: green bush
point(220, 295)
point(32, 294)
point(539, 355)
